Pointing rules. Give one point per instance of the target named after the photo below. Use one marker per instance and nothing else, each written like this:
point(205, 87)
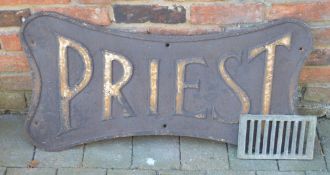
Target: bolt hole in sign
point(92, 83)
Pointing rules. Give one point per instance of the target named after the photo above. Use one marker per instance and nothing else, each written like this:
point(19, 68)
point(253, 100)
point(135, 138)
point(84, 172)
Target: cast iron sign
point(93, 83)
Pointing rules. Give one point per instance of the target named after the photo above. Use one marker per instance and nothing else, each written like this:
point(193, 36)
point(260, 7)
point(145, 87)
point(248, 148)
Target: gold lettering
point(269, 68)
point(244, 99)
point(66, 92)
point(180, 82)
point(153, 86)
point(114, 90)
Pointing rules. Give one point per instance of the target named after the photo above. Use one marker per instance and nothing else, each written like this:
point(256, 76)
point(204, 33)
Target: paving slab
point(180, 172)
point(317, 173)
point(116, 153)
point(2, 170)
point(16, 150)
point(31, 171)
point(229, 172)
point(280, 173)
point(156, 152)
point(248, 165)
point(81, 171)
point(68, 158)
point(131, 172)
point(318, 163)
point(199, 154)
point(324, 130)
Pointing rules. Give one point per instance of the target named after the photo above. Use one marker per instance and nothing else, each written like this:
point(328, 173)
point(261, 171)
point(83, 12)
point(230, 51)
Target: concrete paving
point(152, 155)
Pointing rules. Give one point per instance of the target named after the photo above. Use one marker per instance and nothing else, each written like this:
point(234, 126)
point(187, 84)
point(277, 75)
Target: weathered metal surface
point(276, 136)
point(93, 83)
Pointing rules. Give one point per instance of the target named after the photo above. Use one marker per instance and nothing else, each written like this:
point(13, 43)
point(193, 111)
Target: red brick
point(321, 37)
point(10, 18)
point(312, 108)
point(94, 15)
point(315, 74)
point(10, 42)
point(317, 94)
point(32, 2)
point(14, 63)
point(319, 57)
point(12, 101)
point(227, 13)
point(193, 0)
point(15, 82)
point(309, 11)
point(94, 1)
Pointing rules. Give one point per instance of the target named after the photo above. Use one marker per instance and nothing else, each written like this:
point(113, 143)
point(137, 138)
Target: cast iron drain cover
point(276, 137)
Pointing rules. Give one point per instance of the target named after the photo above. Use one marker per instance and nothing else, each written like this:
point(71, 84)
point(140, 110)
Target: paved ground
point(148, 156)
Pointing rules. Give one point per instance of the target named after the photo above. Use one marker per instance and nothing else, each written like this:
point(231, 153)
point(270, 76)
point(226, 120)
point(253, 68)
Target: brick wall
point(168, 17)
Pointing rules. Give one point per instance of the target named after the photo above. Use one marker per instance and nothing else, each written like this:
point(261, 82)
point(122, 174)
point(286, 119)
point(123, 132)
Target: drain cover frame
point(251, 126)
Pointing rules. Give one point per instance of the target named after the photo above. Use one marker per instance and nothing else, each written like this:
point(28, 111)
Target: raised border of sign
point(160, 38)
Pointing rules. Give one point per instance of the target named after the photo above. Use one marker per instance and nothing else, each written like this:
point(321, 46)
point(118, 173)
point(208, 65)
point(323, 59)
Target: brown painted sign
point(92, 83)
